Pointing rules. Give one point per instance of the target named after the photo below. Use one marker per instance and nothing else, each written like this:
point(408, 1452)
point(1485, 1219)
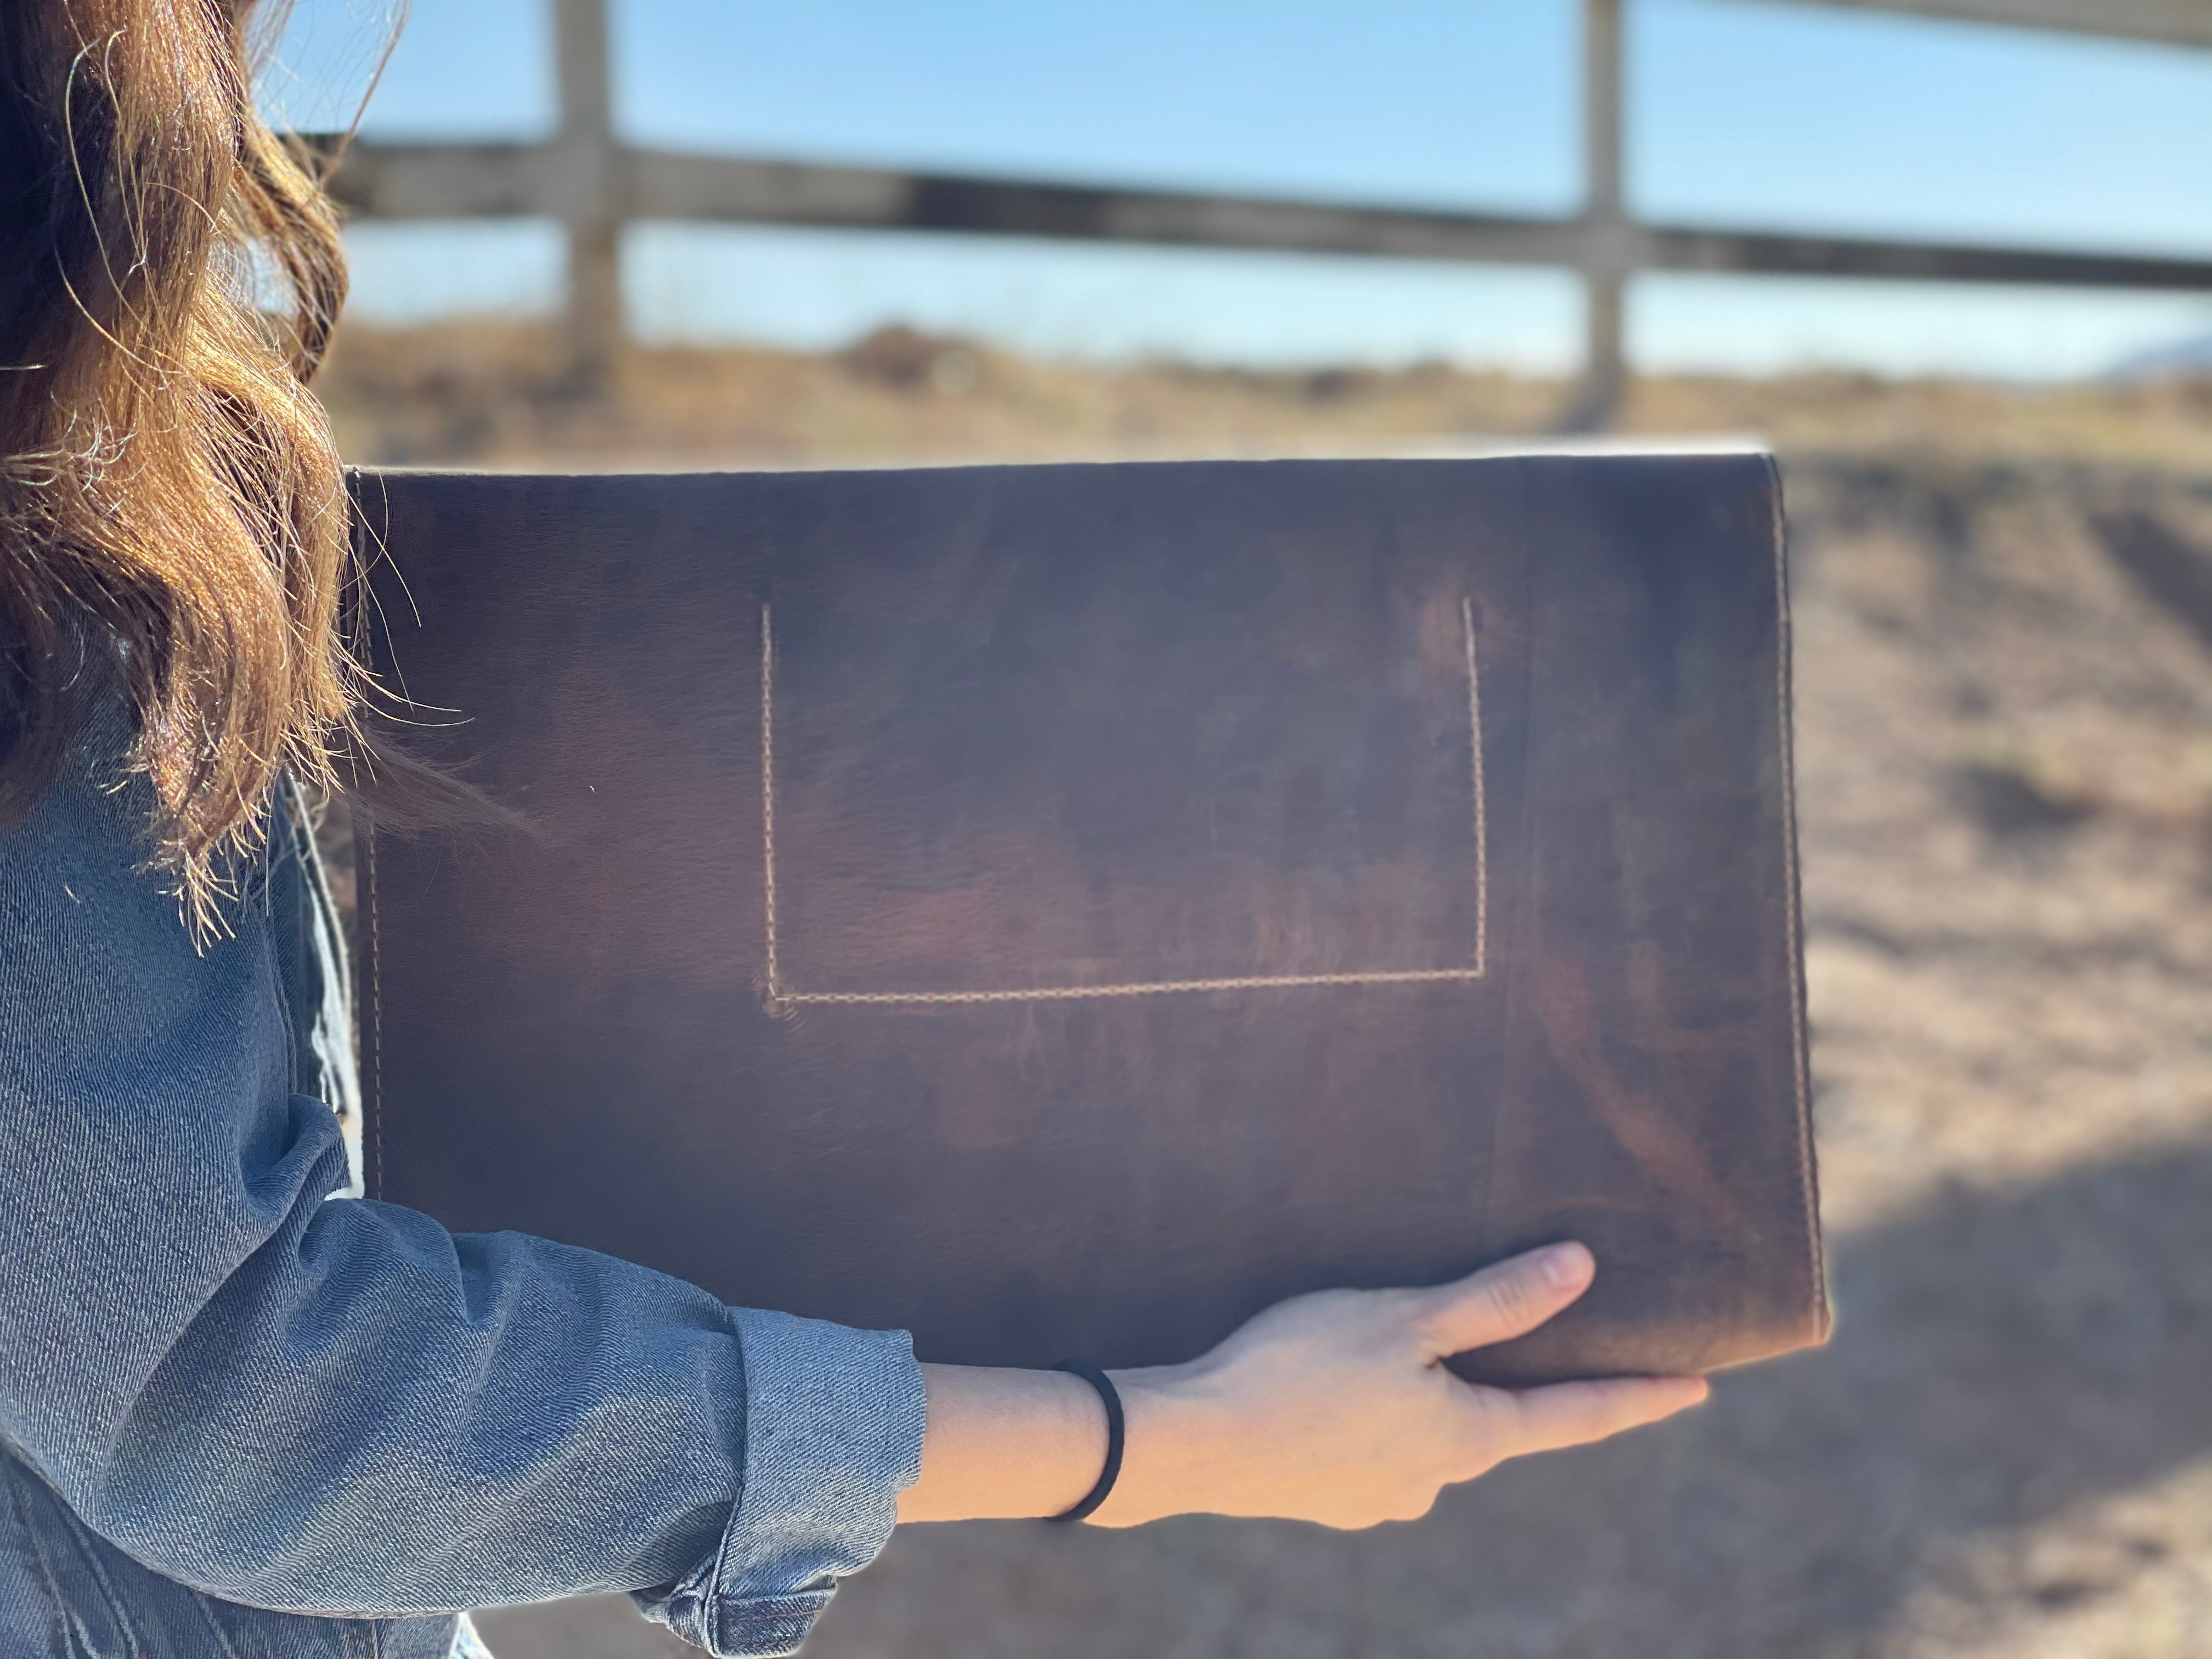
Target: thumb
point(1506, 1299)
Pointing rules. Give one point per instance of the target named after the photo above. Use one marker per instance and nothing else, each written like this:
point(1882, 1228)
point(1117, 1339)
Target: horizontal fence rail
point(490, 181)
point(2163, 23)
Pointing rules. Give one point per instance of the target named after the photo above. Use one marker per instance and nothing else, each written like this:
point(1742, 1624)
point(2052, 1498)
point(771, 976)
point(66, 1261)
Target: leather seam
point(781, 999)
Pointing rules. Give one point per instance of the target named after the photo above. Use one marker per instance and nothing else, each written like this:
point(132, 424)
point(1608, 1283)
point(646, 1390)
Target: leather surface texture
point(1059, 910)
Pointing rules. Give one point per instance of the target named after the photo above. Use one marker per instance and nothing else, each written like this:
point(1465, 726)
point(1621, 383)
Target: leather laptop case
point(1059, 910)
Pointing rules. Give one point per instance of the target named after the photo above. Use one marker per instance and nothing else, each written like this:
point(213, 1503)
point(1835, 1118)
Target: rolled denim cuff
point(833, 1426)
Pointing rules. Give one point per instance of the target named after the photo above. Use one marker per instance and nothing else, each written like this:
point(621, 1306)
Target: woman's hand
point(1333, 1408)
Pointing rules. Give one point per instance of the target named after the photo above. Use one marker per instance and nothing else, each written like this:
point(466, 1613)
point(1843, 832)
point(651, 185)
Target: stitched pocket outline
point(782, 998)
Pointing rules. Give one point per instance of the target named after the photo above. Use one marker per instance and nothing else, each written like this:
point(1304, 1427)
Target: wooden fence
point(591, 181)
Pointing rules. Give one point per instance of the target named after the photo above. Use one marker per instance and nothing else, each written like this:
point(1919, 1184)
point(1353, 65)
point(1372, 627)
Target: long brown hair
point(170, 272)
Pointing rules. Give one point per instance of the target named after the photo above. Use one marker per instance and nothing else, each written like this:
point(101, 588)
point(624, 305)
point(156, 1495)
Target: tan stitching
point(774, 988)
point(1140, 988)
point(779, 998)
point(1481, 801)
point(374, 1174)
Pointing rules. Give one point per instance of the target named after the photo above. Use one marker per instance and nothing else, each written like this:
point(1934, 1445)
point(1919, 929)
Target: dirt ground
point(485, 393)
point(2004, 679)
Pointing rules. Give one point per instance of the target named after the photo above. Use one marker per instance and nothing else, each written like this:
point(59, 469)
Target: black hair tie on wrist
point(1110, 1397)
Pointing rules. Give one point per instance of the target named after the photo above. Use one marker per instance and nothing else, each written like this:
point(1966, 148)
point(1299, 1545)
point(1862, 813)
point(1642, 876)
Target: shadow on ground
point(2171, 570)
point(2000, 1357)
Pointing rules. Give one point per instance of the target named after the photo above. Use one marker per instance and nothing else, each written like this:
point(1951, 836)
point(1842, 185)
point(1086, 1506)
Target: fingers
point(1577, 1413)
point(1505, 1300)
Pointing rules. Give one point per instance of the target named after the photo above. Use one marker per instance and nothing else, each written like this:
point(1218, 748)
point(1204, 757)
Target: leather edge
point(357, 608)
point(1822, 1319)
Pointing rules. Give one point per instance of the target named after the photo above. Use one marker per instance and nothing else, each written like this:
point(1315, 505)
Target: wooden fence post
point(585, 161)
point(1607, 256)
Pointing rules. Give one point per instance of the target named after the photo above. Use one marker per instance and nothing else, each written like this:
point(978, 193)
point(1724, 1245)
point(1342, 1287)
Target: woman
point(243, 1411)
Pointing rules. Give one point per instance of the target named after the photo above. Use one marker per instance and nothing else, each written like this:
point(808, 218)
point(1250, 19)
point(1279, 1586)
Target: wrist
point(1172, 1435)
point(1004, 1445)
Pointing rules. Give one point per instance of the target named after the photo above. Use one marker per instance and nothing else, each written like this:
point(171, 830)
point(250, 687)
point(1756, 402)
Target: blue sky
point(1742, 113)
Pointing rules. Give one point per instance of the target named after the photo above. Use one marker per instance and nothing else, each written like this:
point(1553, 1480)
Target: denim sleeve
point(321, 1404)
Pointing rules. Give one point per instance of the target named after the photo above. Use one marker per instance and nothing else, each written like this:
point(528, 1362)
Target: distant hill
point(2183, 360)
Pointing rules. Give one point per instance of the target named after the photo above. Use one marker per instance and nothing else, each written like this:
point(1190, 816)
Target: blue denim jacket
point(245, 1415)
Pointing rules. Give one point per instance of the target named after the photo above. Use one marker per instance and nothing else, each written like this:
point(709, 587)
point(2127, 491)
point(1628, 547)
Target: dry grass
point(2004, 610)
point(494, 394)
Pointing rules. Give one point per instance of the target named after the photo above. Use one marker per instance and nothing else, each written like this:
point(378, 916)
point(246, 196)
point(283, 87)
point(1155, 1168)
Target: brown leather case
point(1059, 910)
